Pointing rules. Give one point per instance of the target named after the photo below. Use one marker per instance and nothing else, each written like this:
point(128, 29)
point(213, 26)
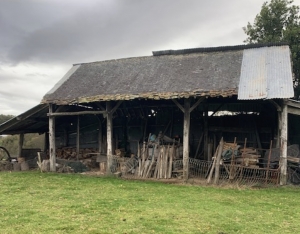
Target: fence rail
point(198, 169)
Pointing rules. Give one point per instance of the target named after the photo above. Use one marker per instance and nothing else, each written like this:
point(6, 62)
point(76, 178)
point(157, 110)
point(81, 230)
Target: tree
point(4, 118)
point(278, 21)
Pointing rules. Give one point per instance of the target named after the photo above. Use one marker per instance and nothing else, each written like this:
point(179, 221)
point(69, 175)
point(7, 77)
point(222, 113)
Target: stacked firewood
point(87, 156)
point(71, 154)
point(156, 162)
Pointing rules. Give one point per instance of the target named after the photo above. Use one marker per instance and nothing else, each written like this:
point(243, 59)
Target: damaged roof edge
point(217, 49)
point(65, 77)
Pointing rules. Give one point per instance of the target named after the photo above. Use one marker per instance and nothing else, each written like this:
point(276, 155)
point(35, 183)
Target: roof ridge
point(217, 49)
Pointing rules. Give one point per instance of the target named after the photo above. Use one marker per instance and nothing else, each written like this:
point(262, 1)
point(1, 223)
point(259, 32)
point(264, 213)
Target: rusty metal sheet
point(266, 74)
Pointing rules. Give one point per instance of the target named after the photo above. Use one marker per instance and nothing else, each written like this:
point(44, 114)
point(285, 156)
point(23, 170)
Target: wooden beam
point(293, 110)
point(278, 107)
point(283, 146)
point(197, 103)
point(178, 105)
point(21, 140)
point(100, 106)
point(109, 137)
point(78, 138)
point(76, 113)
point(52, 150)
point(295, 104)
point(116, 107)
point(186, 138)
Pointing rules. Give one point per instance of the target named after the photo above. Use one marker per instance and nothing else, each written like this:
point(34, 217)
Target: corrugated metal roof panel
point(266, 74)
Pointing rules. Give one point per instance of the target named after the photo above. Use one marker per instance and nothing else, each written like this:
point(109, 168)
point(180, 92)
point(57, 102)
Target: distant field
point(34, 202)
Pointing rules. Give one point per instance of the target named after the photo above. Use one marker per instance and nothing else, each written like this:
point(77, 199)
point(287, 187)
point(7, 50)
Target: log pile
point(71, 154)
point(87, 156)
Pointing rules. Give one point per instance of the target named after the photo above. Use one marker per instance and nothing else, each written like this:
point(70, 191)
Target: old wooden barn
point(199, 112)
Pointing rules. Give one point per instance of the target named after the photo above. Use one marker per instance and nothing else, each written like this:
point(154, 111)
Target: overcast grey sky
point(41, 39)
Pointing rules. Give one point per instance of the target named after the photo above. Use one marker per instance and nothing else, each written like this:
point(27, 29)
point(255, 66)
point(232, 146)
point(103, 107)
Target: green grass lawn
point(34, 202)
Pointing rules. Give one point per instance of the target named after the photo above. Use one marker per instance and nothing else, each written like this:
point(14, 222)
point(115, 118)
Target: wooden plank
point(293, 110)
point(77, 113)
point(186, 138)
point(209, 178)
point(218, 159)
point(52, 147)
point(293, 159)
point(109, 137)
point(283, 146)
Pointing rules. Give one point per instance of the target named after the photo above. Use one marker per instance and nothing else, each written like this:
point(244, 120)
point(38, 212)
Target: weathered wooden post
point(283, 145)
point(186, 138)
point(109, 137)
point(78, 138)
point(100, 138)
point(52, 150)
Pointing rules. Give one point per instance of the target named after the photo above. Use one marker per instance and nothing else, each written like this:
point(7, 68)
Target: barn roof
point(249, 71)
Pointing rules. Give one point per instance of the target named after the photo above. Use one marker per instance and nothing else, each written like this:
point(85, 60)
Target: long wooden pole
point(52, 148)
point(283, 146)
point(100, 138)
point(109, 137)
point(218, 159)
point(186, 138)
point(78, 138)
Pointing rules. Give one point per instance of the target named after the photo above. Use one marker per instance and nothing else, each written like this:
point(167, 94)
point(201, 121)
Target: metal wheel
point(4, 154)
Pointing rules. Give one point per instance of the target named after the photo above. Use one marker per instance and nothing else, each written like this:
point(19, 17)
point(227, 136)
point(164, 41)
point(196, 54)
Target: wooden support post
point(283, 146)
point(109, 137)
point(21, 140)
point(100, 138)
point(78, 138)
point(279, 129)
point(186, 136)
point(52, 150)
point(205, 132)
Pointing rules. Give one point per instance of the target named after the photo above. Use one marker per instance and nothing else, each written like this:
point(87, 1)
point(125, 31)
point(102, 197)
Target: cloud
point(40, 40)
point(123, 29)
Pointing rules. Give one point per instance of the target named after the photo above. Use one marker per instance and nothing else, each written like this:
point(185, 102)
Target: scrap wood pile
point(244, 156)
point(233, 157)
point(153, 161)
